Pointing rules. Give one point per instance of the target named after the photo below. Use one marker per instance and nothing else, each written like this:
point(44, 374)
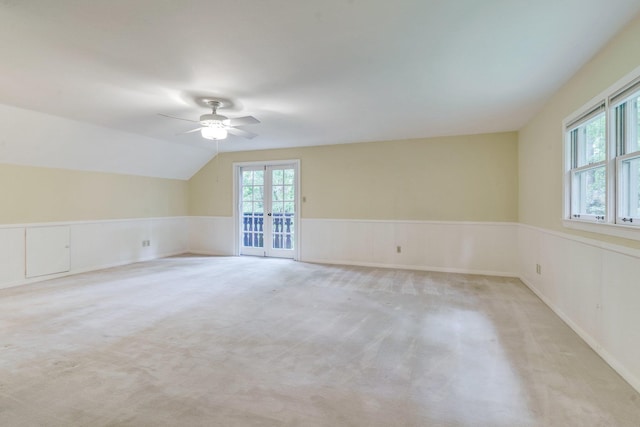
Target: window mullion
point(590, 166)
point(621, 119)
point(574, 148)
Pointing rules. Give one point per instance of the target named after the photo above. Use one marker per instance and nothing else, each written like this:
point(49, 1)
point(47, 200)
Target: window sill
point(624, 231)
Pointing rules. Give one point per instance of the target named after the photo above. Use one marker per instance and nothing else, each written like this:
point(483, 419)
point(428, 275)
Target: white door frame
point(237, 232)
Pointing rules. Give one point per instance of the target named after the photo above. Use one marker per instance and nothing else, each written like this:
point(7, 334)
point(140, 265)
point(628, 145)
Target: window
point(602, 163)
point(627, 141)
point(588, 168)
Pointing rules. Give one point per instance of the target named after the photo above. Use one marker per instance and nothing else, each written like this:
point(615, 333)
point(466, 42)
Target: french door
point(267, 207)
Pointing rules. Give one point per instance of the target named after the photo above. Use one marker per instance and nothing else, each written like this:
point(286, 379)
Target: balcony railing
point(253, 230)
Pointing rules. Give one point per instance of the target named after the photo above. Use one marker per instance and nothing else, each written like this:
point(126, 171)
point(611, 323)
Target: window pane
point(630, 188)
point(247, 208)
point(634, 143)
point(258, 193)
point(278, 177)
point(591, 141)
point(258, 207)
point(247, 177)
point(289, 193)
point(258, 177)
point(589, 190)
point(278, 208)
point(247, 193)
point(288, 177)
point(278, 193)
point(289, 207)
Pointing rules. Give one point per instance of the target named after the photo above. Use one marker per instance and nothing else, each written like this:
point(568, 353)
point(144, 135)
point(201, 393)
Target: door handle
point(269, 214)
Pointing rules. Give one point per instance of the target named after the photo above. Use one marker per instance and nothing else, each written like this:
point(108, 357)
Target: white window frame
point(632, 220)
point(623, 148)
point(574, 171)
point(612, 224)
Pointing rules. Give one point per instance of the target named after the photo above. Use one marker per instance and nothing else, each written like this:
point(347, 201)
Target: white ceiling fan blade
point(190, 131)
point(243, 121)
point(241, 132)
point(178, 118)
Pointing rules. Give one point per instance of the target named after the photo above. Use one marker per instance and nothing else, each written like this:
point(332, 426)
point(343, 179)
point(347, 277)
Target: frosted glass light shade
point(213, 133)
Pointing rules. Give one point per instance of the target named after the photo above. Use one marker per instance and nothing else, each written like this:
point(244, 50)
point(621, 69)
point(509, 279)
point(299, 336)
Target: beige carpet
point(207, 341)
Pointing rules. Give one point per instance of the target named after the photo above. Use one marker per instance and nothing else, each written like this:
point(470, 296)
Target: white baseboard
point(412, 267)
point(591, 342)
point(206, 253)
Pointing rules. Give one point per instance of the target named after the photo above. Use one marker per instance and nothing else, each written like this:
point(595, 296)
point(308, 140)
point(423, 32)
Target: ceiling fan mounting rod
point(214, 104)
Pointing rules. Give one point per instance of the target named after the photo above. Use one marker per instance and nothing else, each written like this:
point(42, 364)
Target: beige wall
point(461, 178)
point(31, 194)
point(541, 140)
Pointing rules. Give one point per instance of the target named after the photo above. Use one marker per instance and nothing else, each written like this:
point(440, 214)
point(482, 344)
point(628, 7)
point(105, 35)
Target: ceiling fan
point(215, 126)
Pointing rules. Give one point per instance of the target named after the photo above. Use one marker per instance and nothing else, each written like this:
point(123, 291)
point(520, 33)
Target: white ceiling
point(313, 72)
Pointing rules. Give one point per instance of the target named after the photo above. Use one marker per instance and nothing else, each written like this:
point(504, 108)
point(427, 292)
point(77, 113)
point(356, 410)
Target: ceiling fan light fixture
point(213, 119)
point(213, 133)
point(214, 126)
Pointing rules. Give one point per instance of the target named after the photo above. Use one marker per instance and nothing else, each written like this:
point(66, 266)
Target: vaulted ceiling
point(82, 83)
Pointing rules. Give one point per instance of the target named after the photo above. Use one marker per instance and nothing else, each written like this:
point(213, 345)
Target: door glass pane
point(289, 207)
point(278, 193)
point(258, 177)
point(253, 228)
point(247, 193)
point(258, 193)
point(278, 177)
point(289, 177)
point(278, 207)
point(283, 231)
point(283, 208)
point(630, 188)
point(253, 208)
point(289, 192)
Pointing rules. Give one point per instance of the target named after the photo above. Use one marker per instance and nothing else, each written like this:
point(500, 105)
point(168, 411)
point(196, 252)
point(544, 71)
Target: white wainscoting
point(465, 247)
point(47, 250)
point(97, 244)
point(12, 250)
point(593, 286)
point(211, 235)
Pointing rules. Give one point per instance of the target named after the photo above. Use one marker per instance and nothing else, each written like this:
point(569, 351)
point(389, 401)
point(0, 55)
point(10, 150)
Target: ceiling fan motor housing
point(210, 120)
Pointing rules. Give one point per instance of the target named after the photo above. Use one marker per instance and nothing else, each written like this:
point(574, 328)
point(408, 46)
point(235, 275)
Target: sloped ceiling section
point(313, 72)
point(37, 139)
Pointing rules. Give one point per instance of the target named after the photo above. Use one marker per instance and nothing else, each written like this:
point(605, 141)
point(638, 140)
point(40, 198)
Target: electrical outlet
point(148, 242)
point(144, 243)
point(399, 249)
point(538, 269)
